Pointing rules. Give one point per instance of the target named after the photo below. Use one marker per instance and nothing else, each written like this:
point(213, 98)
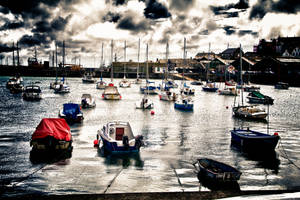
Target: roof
point(230, 51)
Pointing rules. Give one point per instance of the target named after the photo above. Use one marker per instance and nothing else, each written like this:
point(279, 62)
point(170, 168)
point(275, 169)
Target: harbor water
point(173, 141)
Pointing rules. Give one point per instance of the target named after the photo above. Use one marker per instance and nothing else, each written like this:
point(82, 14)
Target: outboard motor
point(84, 103)
point(126, 142)
point(139, 141)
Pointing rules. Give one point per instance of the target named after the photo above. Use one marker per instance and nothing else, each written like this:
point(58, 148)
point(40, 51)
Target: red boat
point(52, 136)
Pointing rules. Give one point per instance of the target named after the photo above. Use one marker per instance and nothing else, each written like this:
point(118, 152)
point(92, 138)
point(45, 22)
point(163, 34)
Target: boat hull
point(185, 107)
point(251, 141)
point(113, 148)
point(208, 89)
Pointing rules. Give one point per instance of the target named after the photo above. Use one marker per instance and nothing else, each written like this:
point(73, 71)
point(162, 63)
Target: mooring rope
point(112, 181)
point(285, 155)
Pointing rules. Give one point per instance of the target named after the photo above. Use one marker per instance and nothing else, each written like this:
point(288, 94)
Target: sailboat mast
point(241, 74)
point(124, 57)
point(101, 64)
point(147, 70)
point(112, 60)
point(167, 57)
point(184, 55)
point(137, 70)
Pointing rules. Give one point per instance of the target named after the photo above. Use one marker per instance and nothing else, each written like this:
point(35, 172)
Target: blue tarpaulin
point(71, 110)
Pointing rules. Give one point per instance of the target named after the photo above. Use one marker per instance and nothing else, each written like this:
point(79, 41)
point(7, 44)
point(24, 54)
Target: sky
point(85, 24)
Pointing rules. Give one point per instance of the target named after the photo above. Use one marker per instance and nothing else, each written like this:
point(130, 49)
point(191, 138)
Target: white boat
point(32, 93)
point(184, 103)
point(168, 96)
point(111, 92)
point(87, 101)
point(117, 137)
point(124, 83)
point(88, 78)
point(229, 91)
point(247, 111)
point(145, 102)
point(100, 84)
point(62, 87)
point(185, 89)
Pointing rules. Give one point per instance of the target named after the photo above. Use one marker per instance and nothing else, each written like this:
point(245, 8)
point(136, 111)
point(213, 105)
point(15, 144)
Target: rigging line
point(112, 181)
point(286, 156)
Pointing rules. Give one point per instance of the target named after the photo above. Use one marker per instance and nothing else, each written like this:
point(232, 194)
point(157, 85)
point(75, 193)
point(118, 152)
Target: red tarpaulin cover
point(56, 127)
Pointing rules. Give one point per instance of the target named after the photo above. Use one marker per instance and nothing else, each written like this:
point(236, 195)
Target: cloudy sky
point(85, 24)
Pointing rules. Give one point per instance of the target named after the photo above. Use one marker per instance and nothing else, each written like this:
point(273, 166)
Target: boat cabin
point(116, 130)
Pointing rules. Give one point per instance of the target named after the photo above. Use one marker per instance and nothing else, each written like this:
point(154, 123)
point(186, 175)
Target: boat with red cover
point(52, 136)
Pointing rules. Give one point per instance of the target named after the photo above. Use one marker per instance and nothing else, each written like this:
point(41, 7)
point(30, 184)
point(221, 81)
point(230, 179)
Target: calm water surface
point(173, 140)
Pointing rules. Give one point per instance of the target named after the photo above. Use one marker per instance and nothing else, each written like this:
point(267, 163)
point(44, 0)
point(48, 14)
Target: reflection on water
point(171, 137)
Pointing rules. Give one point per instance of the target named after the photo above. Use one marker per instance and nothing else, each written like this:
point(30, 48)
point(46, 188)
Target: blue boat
point(117, 137)
point(184, 103)
point(216, 171)
point(149, 88)
point(71, 112)
point(254, 141)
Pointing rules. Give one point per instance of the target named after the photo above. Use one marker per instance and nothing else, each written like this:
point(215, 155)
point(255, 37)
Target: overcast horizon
point(85, 24)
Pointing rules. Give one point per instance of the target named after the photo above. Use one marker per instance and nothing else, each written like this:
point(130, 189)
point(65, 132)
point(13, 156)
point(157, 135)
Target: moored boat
point(144, 103)
point(229, 91)
point(217, 171)
point(249, 112)
point(52, 137)
point(251, 88)
point(210, 87)
point(87, 101)
point(250, 140)
point(257, 97)
point(88, 78)
point(111, 93)
point(62, 87)
point(101, 84)
point(71, 112)
point(167, 95)
point(197, 82)
point(124, 83)
point(184, 103)
point(32, 93)
point(117, 137)
point(282, 86)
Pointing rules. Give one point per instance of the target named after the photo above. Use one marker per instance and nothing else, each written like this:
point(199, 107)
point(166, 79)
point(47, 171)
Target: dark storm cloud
point(229, 30)
point(119, 2)
point(204, 32)
point(155, 10)
point(128, 23)
point(185, 29)
point(245, 32)
point(111, 17)
point(6, 48)
point(33, 40)
point(262, 7)
point(211, 25)
point(223, 10)
point(4, 10)
point(59, 23)
point(8, 25)
point(182, 5)
point(166, 35)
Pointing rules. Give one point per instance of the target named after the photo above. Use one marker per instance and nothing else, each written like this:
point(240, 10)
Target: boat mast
point(241, 74)
point(124, 58)
point(137, 70)
point(167, 57)
point(184, 55)
point(112, 60)
point(147, 70)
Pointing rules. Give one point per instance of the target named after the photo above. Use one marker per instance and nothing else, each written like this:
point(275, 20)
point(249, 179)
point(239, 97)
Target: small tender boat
point(87, 101)
point(249, 112)
point(217, 171)
point(88, 78)
point(251, 88)
point(144, 103)
point(111, 93)
point(51, 137)
point(250, 140)
point(167, 95)
point(210, 87)
point(124, 83)
point(257, 97)
point(32, 93)
point(229, 91)
point(101, 84)
point(282, 86)
point(184, 103)
point(53, 85)
point(117, 137)
point(71, 112)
